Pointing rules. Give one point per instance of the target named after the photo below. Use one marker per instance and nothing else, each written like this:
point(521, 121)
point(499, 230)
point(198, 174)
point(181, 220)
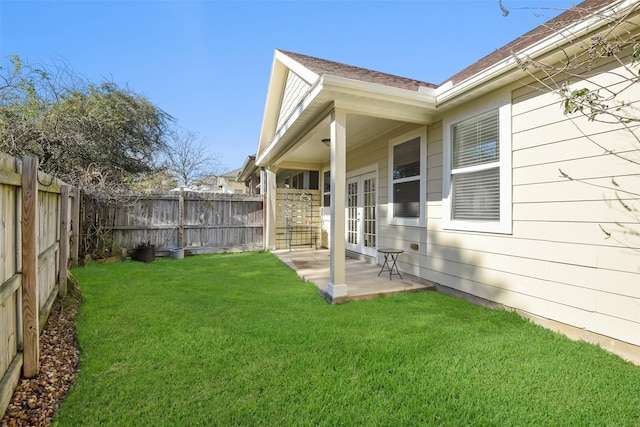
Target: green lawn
point(238, 339)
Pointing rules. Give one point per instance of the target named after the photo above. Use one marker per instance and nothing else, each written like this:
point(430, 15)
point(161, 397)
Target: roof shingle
point(323, 66)
point(580, 11)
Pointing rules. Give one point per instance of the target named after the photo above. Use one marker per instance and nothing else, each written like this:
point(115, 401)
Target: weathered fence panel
point(30, 260)
point(198, 222)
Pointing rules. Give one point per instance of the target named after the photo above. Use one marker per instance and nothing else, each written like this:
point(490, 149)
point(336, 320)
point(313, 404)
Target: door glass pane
point(369, 213)
point(352, 213)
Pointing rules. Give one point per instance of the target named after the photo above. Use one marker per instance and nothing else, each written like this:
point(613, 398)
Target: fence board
point(30, 309)
point(30, 206)
point(198, 222)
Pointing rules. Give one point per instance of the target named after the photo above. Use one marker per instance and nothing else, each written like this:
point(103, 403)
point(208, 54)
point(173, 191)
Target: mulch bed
point(36, 400)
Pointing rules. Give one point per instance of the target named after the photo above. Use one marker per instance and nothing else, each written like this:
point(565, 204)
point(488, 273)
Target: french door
point(361, 215)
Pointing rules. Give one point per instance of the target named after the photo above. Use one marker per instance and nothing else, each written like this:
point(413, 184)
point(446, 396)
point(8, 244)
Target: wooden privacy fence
point(38, 221)
point(198, 222)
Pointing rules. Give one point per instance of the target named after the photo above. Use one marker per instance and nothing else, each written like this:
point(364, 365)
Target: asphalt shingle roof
point(323, 66)
point(552, 26)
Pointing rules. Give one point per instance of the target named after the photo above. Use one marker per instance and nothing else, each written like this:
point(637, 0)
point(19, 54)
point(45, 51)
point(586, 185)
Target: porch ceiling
point(371, 111)
point(309, 150)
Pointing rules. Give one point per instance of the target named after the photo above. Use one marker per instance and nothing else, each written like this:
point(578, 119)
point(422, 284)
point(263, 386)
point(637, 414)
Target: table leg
point(385, 263)
point(394, 258)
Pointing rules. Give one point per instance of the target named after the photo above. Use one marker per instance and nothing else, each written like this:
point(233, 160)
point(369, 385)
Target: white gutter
point(379, 91)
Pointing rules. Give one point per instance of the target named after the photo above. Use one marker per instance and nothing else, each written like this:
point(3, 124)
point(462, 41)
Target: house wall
point(557, 263)
point(375, 154)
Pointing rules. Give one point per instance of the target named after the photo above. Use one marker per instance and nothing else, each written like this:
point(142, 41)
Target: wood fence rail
point(197, 222)
point(45, 225)
point(38, 237)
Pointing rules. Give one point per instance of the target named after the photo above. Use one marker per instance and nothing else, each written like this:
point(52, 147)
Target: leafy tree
point(153, 182)
point(99, 136)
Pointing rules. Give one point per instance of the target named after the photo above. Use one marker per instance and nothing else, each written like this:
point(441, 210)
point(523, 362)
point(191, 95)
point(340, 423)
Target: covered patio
point(312, 265)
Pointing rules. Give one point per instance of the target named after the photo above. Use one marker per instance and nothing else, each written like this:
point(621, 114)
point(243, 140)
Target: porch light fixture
point(326, 141)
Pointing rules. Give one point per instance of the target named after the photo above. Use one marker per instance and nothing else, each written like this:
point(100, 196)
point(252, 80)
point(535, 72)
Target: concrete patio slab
point(363, 282)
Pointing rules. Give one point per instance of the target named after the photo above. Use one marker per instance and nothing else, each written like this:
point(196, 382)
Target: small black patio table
point(390, 258)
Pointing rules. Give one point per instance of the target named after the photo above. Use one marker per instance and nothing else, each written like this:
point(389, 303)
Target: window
point(407, 186)
point(326, 188)
point(477, 192)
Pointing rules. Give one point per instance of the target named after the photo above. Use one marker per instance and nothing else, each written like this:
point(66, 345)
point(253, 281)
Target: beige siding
point(376, 154)
point(558, 263)
point(295, 89)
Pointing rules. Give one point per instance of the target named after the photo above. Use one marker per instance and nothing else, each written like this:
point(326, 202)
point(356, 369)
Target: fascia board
point(274, 147)
point(425, 97)
point(303, 72)
point(334, 87)
point(448, 91)
point(281, 63)
point(247, 169)
point(274, 89)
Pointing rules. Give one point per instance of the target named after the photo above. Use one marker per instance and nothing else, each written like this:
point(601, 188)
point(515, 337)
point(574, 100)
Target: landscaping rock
point(36, 400)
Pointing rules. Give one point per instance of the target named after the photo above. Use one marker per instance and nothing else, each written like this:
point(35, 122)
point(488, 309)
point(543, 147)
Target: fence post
point(63, 253)
point(30, 309)
point(75, 227)
point(181, 219)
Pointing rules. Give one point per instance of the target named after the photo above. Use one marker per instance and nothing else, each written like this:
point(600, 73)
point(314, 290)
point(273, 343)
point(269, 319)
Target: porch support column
point(268, 187)
point(337, 277)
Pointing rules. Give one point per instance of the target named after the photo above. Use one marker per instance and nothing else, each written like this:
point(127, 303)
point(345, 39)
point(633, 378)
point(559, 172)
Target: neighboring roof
point(549, 28)
point(248, 168)
point(323, 66)
point(231, 174)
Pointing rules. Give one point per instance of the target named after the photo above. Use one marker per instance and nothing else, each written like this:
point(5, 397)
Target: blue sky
point(207, 63)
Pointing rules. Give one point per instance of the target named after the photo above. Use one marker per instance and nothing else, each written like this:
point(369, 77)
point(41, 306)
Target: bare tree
point(596, 78)
point(189, 159)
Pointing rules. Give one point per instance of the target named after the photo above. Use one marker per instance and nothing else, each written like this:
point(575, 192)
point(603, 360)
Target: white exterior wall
point(557, 263)
point(376, 153)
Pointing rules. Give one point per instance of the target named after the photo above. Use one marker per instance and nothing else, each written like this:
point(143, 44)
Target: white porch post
point(269, 187)
point(337, 277)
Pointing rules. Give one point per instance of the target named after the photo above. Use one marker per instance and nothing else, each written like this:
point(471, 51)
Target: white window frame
point(322, 184)
point(411, 222)
point(504, 224)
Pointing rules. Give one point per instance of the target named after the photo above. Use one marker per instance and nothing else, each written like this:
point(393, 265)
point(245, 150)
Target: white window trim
point(321, 180)
point(411, 222)
point(504, 225)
